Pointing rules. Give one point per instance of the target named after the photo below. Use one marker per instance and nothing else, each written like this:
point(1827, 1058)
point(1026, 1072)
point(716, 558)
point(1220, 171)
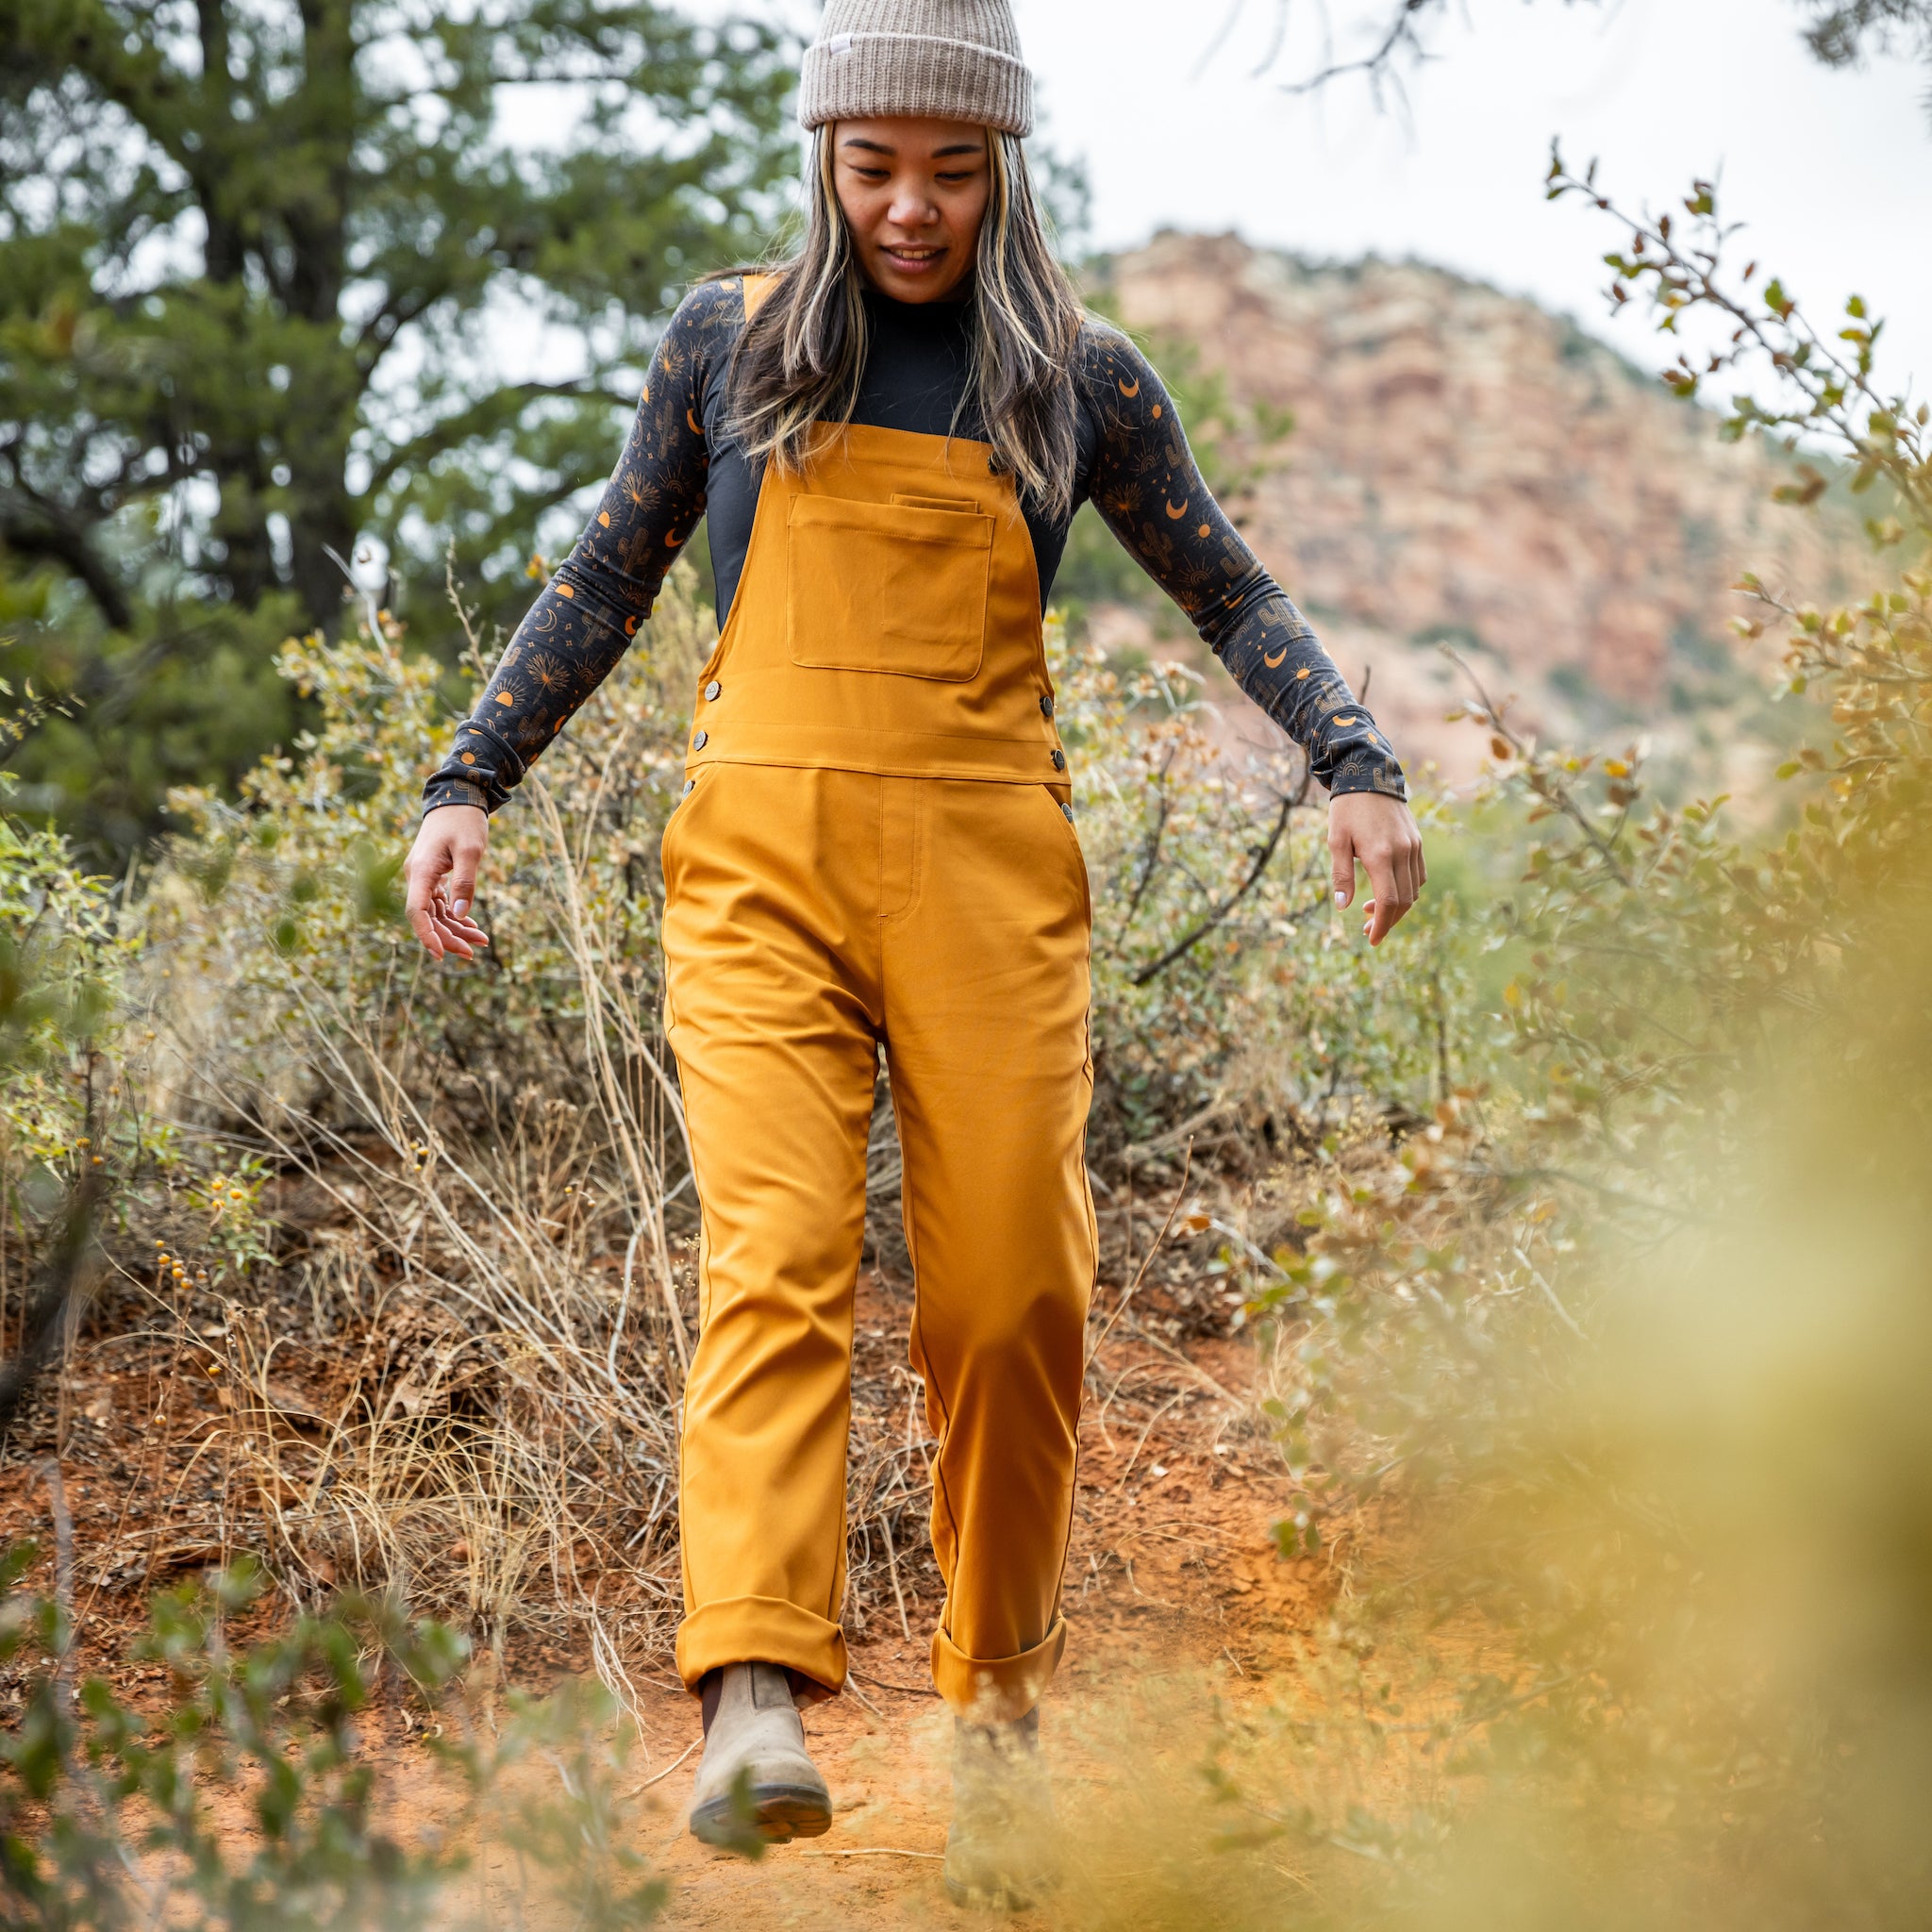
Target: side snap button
point(691, 785)
point(1046, 706)
point(1069, 810)
point(699, 742)
point(1059, 760)
point(713, 691)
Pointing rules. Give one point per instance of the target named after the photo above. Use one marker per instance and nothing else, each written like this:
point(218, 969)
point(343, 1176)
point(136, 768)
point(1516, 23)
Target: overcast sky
point(1833, 172)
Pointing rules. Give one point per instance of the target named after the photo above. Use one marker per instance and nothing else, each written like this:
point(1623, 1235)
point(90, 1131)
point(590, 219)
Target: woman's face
point(914, 193)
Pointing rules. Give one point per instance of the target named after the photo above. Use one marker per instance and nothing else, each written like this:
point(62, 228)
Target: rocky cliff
point(1467, 468)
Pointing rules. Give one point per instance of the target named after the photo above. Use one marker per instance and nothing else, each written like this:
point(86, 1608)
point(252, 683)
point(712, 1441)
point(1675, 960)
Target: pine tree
point(258, 260)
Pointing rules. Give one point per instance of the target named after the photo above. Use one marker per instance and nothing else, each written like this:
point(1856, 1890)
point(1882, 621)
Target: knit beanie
point(949, 59)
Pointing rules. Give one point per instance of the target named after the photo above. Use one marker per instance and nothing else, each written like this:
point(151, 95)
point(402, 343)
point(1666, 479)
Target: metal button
point(1046, 706)
point(1069, 810)
point(713, 691)
point(699, 742)
point(691, 785)
point(1059, 760)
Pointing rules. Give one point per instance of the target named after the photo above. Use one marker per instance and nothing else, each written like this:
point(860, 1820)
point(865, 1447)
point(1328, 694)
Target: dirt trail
point(1174, 1597)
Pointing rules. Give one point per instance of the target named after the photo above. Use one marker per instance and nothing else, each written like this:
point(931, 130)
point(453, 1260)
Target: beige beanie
point(952, 60)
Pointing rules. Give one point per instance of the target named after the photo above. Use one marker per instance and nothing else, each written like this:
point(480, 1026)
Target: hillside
point(1468, 468)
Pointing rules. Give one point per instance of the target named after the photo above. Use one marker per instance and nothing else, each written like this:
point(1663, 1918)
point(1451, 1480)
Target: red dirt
point(1173, 1578)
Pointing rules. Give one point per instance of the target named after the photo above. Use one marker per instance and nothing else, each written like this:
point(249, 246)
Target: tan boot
point(757, 1781)
point(1002, 1850)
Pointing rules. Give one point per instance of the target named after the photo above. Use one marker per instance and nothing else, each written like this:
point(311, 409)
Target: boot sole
point(779, 1814)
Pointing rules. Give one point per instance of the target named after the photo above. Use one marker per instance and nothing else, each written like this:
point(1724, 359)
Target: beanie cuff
point(858, 77)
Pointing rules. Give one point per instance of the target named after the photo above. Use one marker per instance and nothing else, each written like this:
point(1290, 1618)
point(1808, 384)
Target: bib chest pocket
point(899, 588)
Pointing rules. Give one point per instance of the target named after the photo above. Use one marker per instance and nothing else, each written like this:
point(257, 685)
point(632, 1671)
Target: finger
point(1388, 907)
point(424, 928)
point(458, 935)
point(464, 922)
point(1409, 875)
point(1409, 890)
point(421, 907)
point(462, 882)
point(1343, 852)
point(452, 941)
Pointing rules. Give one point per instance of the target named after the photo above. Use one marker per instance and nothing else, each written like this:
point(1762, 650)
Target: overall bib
point(876, 848)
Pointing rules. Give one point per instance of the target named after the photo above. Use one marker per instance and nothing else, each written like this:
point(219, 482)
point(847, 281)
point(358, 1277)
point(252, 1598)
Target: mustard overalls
point(876, 848)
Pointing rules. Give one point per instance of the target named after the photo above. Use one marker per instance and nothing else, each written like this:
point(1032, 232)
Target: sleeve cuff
point(1369, 771)
point(444, 791)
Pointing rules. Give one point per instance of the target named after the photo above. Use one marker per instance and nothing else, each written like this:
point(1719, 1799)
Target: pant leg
point(987, 995)
point(771, 937)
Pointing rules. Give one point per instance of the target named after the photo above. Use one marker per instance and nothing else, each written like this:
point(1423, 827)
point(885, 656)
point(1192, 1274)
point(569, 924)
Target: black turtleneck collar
point(918, 367)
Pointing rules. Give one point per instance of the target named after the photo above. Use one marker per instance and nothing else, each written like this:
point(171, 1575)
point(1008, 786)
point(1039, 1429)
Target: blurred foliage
point(1625, 1353)
point(1846, 33)
point(253, 259)
point(188, 694)
point(66, 1011)
point(113, 1815)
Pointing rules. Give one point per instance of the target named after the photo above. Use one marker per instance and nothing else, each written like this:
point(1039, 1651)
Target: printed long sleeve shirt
point(681, 465)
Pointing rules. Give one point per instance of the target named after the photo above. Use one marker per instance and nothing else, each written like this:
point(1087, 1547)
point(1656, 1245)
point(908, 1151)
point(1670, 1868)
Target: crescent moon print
point(1135, 468)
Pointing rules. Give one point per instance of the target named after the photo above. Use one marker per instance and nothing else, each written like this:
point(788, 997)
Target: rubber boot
point(1003, 1852)
point(757, 1781)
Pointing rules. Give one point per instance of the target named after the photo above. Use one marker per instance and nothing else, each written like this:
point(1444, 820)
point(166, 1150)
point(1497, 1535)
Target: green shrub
point(1624, 1356)
point(249, 1801)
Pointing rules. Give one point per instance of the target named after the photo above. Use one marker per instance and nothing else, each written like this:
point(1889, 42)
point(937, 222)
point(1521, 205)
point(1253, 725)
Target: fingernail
point(1342, 898)
point(462, 906)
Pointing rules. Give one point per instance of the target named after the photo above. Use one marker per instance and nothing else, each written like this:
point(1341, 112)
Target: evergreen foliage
point(250, 252)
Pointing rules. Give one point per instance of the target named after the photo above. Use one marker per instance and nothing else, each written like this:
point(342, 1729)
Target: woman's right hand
point(441, 870)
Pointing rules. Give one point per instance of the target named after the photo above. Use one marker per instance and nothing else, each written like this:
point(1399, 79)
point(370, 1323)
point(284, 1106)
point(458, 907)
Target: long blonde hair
point(802, 358)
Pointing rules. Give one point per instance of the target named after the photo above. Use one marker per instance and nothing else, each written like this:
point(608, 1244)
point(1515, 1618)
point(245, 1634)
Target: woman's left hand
point(1380, 833)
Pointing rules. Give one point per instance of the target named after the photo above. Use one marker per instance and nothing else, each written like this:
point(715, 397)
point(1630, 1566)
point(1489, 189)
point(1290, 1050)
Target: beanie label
point(839, 43)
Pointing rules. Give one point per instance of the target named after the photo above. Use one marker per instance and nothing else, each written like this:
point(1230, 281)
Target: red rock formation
point(1466, 465)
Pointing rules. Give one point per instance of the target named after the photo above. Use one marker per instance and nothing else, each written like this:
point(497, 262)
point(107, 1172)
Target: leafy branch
point(1828, 398)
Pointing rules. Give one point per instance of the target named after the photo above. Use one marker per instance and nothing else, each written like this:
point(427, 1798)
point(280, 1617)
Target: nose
point(912, 207)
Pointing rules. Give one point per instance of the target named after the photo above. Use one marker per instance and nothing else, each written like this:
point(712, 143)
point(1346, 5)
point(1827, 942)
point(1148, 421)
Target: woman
point(889, 434)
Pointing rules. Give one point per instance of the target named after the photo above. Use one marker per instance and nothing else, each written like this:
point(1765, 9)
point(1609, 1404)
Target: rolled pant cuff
point(761, 1630)
point(1001, 1690)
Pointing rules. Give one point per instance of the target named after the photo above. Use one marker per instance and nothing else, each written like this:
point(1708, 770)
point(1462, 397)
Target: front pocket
point(899, 588)
point(1069, 834)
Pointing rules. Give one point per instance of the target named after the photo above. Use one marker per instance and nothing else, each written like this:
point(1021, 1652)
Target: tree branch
point(1290, 800)
point(42, 535)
